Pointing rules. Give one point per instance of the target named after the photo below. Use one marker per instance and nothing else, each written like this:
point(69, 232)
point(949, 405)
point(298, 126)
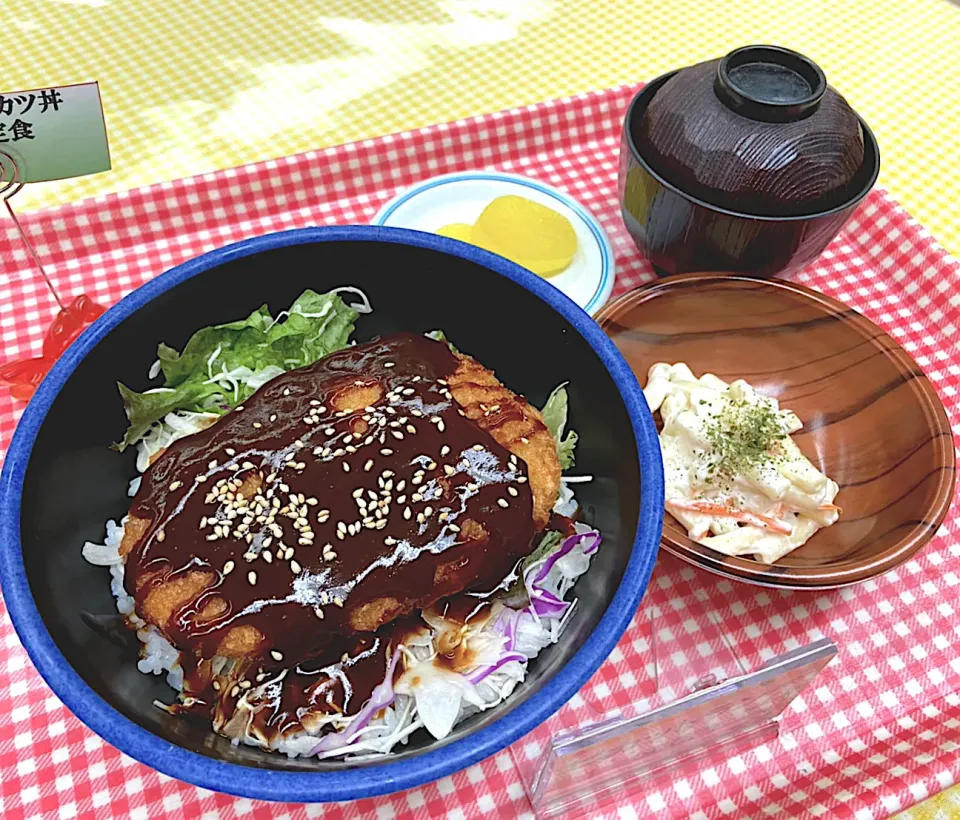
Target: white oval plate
point(441, 200)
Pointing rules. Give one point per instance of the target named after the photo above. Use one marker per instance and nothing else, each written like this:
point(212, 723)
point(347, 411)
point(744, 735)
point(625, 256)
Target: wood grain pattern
point(772, 169)
point(872, 420)
point(681, 233)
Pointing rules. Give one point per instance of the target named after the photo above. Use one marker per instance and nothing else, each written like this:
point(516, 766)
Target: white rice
point(157, 654)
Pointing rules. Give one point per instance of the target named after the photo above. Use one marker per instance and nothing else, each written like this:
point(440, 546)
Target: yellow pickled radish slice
point(528, 233)
point(457, 230)
point(525, 232)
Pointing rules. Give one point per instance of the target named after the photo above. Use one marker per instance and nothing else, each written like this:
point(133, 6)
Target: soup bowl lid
point(758, 131)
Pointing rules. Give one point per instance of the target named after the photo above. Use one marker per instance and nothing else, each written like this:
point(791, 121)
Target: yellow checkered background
point(200, 85)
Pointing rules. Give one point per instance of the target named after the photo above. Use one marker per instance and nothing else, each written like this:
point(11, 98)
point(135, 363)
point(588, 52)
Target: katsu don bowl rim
point(367, 780)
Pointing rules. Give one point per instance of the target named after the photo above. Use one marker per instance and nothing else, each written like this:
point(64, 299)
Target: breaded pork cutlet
point(341, 497)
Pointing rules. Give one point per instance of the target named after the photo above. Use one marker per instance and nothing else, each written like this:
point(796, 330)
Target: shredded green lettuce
point(440, 336)
point(555, 417)
point(222, 365)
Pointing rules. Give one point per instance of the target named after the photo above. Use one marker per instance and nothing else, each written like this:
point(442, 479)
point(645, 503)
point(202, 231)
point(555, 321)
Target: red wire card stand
point(22, 376)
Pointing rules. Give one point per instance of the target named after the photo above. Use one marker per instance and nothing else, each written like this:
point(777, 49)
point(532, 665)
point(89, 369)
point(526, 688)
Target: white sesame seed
point(176, 485)
point(161, 535)
point(239, 408)
point(346, 467)
point(252, 578)
point(453, 527)
point(427, 512)
point(448, 469)
point(235, 691)
point(389, 364)
point(230, 451)
point(420, 518)
point(432, 465)
point(522, 479)
point(277, 656)
point(386, 451)
point(503, 502)
point(318, 612)
point(295, 567)
point(512, 491)
point(338, 602)
point(257, 425)
point(401, 499)
point(228, 567)
point(444, 450)
point(267, 556)
point(407, 513)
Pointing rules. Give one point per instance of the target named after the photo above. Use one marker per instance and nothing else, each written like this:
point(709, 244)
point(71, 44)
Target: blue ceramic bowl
point(60, 483)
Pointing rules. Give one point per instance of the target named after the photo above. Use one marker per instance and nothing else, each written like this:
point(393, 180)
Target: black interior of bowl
point(74, 482)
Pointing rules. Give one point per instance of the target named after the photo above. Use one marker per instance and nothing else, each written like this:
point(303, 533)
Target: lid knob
point(769, 84)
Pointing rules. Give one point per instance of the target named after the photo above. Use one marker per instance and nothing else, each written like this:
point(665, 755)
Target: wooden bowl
point(872, 420)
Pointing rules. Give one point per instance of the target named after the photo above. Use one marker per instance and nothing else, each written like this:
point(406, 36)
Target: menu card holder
point(699, 704)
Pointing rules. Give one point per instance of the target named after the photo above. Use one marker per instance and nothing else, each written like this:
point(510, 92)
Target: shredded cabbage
point(436, 698)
